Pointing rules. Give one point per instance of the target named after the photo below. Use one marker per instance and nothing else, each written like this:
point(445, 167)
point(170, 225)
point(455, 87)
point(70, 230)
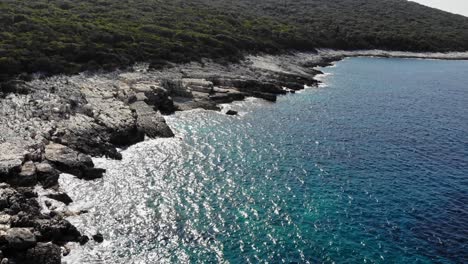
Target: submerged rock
point(231, 112)
point(98, 237)
point(61, 197)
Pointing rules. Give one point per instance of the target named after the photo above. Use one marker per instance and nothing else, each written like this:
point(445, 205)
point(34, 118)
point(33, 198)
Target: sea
point(369, 167)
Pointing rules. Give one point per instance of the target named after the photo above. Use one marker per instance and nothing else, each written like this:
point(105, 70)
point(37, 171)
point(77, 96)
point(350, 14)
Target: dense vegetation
point(67, 36)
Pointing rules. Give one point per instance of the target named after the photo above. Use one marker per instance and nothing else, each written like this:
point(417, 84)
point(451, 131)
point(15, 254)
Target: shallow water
point(372, 167)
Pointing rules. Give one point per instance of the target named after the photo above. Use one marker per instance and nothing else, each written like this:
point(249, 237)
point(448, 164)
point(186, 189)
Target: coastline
point(396, 54)
point(56, 125)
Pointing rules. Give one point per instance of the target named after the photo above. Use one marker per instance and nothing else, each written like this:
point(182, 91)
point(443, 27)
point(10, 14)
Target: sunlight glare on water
point(370, 168)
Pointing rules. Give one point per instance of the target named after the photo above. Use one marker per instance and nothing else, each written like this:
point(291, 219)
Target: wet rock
point(293, 86)
point(83, 240)
point(47, 175)
point(73, 162)
point(15, 201)
point(65, 251)
point(98, 237)
point(56, 230)
point(227, 96)
point(18, 238)
point(265, 96)
point(25, 231)
point(42, 253)
point(61, 197)
point(92, 173)
point(27, 176)
point(231, 112)
point(23, 219)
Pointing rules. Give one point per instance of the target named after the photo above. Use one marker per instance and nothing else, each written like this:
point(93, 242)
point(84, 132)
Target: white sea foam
point(245, 106)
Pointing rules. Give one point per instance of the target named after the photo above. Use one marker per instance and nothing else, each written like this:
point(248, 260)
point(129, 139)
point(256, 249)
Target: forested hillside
point(68, 36)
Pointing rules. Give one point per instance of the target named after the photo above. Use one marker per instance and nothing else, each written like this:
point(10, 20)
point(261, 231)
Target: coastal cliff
point(55, 125)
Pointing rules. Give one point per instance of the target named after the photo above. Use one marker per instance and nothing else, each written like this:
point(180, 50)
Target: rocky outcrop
point(176, 88)
point(72, 162)
point(47, 175)
point(149, 122)
point(154, 95)
point(18, 239)
point(11, 159)
point(27, 175)
point(197, 85)
point(42, 253)
point(83, 134)
point(26, 234)
point(224, 95)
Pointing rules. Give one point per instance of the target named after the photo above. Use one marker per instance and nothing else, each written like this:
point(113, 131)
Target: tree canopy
point(68, 36)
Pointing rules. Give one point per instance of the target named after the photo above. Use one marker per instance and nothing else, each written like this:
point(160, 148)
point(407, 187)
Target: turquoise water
point(372, 167)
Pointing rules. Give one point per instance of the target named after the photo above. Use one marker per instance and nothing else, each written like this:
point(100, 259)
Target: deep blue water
point(370, 168)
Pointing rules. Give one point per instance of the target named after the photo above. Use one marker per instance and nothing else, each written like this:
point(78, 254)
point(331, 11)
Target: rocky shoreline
point(55, 125)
